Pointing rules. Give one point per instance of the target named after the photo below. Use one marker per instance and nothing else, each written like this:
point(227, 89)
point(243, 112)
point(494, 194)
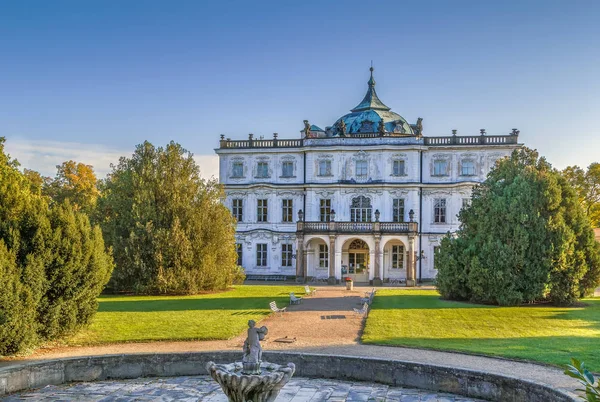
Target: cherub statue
point(252, 348)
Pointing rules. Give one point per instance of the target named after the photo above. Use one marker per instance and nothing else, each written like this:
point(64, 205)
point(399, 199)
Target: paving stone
point(203, 388)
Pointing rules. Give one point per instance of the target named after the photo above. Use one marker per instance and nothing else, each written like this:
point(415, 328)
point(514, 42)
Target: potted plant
point(349, 283)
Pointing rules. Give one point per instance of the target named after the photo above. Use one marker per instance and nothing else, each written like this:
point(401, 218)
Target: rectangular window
point(362, 168)
point(238, 209)
point(436, 250)
point(398, 168)
point(261, 255)
point(286, 255)
point(440, 167)
point(287, 210)
point(397, 257)
point(238, 169)
point(262, 169)
point(323, 256)
point(398, 213)
point(238, 249)
point(262, 210)
point(439, 210)
point(287, 169)
point(324, 168)
point(325, 210)
point(467, 168)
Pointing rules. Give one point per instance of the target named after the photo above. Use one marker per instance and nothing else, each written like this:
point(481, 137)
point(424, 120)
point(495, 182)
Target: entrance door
point(357, 266)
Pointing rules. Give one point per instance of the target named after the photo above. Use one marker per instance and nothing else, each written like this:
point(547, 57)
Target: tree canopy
point(587, 185)
point(53, 263)
point(169, 231)
point(76, 182)
point(524, 238)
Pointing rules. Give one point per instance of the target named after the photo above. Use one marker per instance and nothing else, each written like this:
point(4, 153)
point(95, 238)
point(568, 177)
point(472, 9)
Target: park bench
point(362, 311)
point(368, 297)
point(294, 299)
point(276, 309)
point(308, 291)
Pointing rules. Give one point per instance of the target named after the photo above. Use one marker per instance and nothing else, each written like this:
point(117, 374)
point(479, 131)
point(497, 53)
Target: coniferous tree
point(524, 238)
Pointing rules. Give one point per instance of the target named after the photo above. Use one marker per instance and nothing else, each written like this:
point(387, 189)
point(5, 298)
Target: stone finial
point(250, 136)
point(454, 132)
point(222, 137)
point(482, 131)
point(275, 135)
point(515, 131)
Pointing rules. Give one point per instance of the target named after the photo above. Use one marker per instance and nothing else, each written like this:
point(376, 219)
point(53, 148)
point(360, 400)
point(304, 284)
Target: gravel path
point(325, 324)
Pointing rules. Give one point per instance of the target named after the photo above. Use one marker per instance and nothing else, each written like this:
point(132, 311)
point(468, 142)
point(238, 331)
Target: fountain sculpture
point(251, 380)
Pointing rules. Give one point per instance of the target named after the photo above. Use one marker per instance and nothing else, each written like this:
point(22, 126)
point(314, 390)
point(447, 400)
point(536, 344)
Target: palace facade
point(369, 197)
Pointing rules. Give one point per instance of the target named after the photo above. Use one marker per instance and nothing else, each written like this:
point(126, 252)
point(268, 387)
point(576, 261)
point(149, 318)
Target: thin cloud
point(43, 156)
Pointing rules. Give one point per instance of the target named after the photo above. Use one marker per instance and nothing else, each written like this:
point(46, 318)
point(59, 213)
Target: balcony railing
point(357, 227)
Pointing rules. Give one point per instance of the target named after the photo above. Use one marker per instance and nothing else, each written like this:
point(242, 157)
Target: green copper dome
point(367, 115)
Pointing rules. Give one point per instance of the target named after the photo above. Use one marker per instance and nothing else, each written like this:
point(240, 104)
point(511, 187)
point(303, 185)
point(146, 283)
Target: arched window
point(360, 210)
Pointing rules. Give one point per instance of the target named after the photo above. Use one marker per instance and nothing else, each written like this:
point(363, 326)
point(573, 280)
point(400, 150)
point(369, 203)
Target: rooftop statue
point(420, 126)
point(306, 128)
point(381, 128)
point(342, 128)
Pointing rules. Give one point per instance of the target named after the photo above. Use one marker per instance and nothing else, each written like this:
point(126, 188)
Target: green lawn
point(157, 318)
point(419, 318)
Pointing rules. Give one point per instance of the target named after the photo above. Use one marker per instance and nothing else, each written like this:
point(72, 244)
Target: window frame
point(291, 169)
point(437, 171)
point(397, 254)
point(287, 210)
point(262, 251)
point(262, 210)
point(471, 167)
point(286, 254)
point(239, 249)
point(324, 168)
point(234, 169)
point(398, 167)
point(398, 210)
point(323, 256)
point(361, 169)
point(262, 173)
point(325, 209)
point(237, 210)
point(440, 212)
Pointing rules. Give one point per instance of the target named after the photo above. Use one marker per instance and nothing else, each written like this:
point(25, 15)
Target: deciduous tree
point(76, 182)
point(169, 231)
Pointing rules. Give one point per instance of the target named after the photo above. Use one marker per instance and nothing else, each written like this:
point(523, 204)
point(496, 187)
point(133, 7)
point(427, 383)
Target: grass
point(419, 318)
point(160, 318)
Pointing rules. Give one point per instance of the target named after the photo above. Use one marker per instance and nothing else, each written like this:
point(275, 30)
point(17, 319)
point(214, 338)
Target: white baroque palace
point(368, 198)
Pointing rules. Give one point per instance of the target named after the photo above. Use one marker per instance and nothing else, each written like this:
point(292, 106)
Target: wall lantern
point(300, 215)
point(332, 215)
point(411, 215)
point(377, 214)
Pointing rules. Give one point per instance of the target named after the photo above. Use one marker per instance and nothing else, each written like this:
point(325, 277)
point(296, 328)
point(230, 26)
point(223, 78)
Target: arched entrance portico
point(356, 260)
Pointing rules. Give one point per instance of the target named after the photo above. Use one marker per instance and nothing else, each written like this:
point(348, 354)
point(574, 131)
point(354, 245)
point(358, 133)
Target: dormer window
point(237, 169)
point(362, 168)
point(440, 167)
point(398, 168)
point(262, 170)
point(467, 168)
point(325, 168)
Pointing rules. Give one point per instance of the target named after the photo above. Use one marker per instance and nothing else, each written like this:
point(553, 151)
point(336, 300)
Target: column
point(331, 279)
point(410, 269)
point(300, 258)
point(377, 263)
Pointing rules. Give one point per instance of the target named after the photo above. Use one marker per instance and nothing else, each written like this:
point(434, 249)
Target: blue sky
point(88, 80)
